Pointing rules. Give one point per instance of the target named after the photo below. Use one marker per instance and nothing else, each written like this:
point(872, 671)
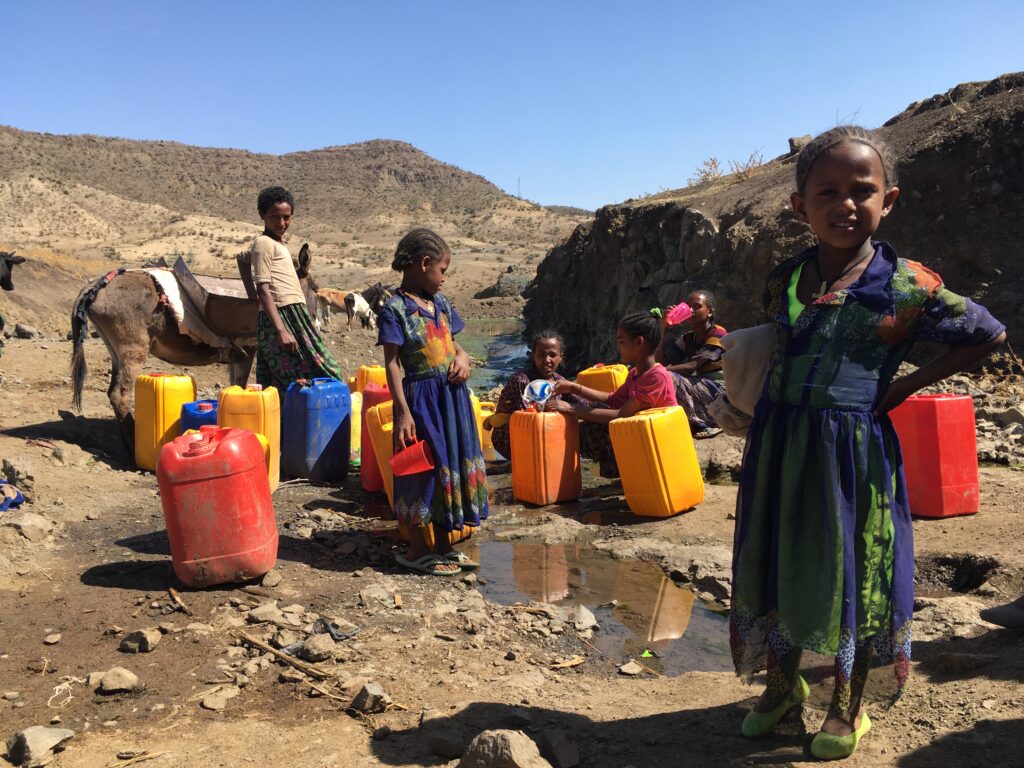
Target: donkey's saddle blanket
point(213, 310)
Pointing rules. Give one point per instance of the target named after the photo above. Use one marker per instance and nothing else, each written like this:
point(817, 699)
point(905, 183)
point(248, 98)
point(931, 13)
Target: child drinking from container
point(648, 385)
point(823, 558)
point(416, 327)
point(288, 345)
point(546, 351)
point(695, 361)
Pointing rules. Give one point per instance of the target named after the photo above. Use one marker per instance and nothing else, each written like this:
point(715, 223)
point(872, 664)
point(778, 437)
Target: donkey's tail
point(79, 331)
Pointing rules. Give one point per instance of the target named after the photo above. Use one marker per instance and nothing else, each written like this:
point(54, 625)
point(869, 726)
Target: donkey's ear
point(304, 256)
point(15, 259)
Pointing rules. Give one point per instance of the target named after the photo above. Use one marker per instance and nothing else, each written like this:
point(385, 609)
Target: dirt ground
point(433, 645)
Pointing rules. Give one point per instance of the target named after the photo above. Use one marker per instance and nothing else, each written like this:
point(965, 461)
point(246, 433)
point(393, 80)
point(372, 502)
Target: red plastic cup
point(412, 459)
point(680, 313)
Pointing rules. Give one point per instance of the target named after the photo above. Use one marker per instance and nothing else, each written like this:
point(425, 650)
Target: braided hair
point(645, 323)
point(271, 196)
point(843, 133)
point(417, 244)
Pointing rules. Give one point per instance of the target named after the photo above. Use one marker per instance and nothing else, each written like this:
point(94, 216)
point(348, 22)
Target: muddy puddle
point(642, 614)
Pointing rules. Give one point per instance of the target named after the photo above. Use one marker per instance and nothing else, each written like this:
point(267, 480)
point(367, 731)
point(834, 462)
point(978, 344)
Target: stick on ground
point(302, 666)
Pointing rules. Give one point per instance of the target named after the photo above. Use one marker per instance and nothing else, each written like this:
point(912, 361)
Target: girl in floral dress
point(416, 327)
point(823, 554)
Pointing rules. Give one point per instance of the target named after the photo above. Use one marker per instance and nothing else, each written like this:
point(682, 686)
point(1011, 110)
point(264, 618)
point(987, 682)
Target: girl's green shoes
point(757, 724)
point(825, 746)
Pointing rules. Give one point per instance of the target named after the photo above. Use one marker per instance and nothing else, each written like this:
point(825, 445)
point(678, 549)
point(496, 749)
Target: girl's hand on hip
point(897, 391)
point(458, 371)
point(404, 432)
point(287, 341)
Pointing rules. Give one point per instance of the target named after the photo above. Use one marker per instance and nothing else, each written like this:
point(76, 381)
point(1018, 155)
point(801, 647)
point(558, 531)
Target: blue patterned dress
point(823, 554)
point(455, 493)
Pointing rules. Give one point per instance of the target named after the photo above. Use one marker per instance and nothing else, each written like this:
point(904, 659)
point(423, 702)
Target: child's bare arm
point(571, 387)
point(597, 415)
point(405, 428)
point(284, 336)
point(245, 272)
point(953, 361)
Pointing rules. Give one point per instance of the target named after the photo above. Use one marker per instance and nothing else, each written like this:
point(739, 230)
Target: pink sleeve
point(655, 388)
point(620, 396)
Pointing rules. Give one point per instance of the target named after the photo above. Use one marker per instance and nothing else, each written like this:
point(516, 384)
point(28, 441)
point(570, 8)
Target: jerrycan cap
point(199, 445)
point(204, 407)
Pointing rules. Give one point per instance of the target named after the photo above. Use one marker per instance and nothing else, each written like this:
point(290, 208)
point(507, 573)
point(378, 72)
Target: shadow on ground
point(697, 738)
point(99, 437)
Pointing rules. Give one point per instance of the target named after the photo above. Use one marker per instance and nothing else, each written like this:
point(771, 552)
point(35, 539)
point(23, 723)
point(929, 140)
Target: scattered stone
point(141, 640)
point(199, 627)
point(10, 695)
point(503, 749)
point(318, 648)
point(24, 331)
point(118, 680)
point(559, 748)
point(631, 668)
point(511, 656)
point(35, 745)
point(219, 699)
point(580, 617)
point(52, 639)
point(285, 637)
point(19, 475)
point(379, 734)
point(30, 525)
point(271, 579)
point(266, 612)
point(370, 699)
point(94, 679)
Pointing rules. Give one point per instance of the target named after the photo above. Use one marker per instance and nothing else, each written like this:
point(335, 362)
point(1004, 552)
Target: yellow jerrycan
point(257, 410)
point(158, 401)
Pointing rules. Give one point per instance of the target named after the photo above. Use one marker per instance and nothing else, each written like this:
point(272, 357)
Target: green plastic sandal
point(825, 746)
point(757, 724)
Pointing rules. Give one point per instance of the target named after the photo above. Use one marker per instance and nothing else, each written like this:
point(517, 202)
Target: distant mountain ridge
point(374, 186)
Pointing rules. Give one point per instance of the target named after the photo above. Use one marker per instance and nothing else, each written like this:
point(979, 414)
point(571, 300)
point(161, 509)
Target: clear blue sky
point(587, 102)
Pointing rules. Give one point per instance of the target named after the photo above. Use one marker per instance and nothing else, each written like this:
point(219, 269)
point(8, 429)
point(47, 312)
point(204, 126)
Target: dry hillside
point(121, 202)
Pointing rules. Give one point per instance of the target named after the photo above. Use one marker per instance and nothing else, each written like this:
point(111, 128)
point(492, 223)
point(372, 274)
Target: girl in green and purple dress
point(823, 556)
point(427, 372)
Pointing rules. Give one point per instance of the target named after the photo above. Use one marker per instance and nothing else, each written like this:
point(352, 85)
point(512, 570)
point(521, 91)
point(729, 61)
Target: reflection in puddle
point(650, 612)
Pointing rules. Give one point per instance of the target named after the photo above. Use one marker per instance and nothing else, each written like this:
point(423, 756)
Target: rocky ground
point(95, 646)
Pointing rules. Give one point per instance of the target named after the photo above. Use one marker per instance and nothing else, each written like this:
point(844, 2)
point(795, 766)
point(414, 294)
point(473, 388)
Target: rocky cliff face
point(961, 211)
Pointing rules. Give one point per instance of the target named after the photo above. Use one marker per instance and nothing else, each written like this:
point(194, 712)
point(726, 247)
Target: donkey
point(134, 323)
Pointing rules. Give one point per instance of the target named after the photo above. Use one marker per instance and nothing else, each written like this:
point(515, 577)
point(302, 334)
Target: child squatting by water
point(427, 372)
point(823, 555)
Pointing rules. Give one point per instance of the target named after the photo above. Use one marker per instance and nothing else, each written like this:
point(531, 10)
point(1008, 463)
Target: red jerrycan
point(369, 473)
point(217, 507)
point(940, 454)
